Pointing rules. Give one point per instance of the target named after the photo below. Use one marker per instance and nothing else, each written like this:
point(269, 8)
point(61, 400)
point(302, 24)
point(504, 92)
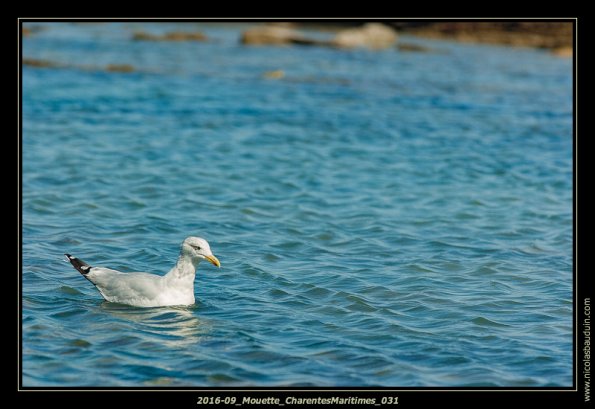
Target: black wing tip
point(79, 264)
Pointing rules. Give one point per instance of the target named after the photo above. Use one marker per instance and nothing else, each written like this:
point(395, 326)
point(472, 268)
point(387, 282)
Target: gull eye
point(196, 247)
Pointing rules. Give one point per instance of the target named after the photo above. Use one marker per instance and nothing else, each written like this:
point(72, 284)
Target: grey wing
point(116, 286)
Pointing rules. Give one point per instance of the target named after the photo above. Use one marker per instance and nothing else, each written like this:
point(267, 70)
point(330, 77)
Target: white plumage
point(150, 290)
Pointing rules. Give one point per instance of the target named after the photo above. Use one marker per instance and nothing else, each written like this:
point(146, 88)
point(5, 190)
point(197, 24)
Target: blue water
point(382, 218)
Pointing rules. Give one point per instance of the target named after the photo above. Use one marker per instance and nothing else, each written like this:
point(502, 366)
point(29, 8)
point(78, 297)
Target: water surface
point(382, 218)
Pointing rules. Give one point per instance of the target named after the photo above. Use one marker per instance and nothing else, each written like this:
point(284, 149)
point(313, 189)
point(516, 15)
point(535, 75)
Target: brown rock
point(275, 34)
point(172, 36)
point(181, 36)
point(515, 33)
point(142, 36)
point(277, 74)
point(26, 32)
point(371, 35)
point(32, 62)
point(120, 68)
point(408, 47)
point(564, 52)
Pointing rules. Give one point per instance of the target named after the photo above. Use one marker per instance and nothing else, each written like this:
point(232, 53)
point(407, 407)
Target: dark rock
point(544, 34)
point(408, 47)
point(120, 68)
point(276, 34)
point(31, 29)
point(32, 62)
point(172, 36)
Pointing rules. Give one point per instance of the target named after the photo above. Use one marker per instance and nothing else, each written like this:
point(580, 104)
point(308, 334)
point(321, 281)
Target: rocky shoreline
point(374, 36)
point(555, 36)
point(521, 33)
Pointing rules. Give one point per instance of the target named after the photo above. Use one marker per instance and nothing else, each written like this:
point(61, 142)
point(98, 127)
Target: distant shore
point(532, 34)
point(555, 36)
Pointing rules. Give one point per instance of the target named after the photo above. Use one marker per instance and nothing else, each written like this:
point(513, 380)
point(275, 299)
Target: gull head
point(198, 249)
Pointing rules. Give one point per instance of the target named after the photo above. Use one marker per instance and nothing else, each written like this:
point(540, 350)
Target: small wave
point(484, 322)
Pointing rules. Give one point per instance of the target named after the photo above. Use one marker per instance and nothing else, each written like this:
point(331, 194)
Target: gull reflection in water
point(175, 326)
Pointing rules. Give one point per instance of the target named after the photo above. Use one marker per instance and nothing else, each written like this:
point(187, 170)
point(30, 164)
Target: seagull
point(151, 290)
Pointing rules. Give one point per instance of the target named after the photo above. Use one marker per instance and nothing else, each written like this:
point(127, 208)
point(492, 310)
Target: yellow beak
point(213, 260)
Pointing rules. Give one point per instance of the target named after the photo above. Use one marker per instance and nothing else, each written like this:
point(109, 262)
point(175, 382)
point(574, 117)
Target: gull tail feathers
point(79, 264)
